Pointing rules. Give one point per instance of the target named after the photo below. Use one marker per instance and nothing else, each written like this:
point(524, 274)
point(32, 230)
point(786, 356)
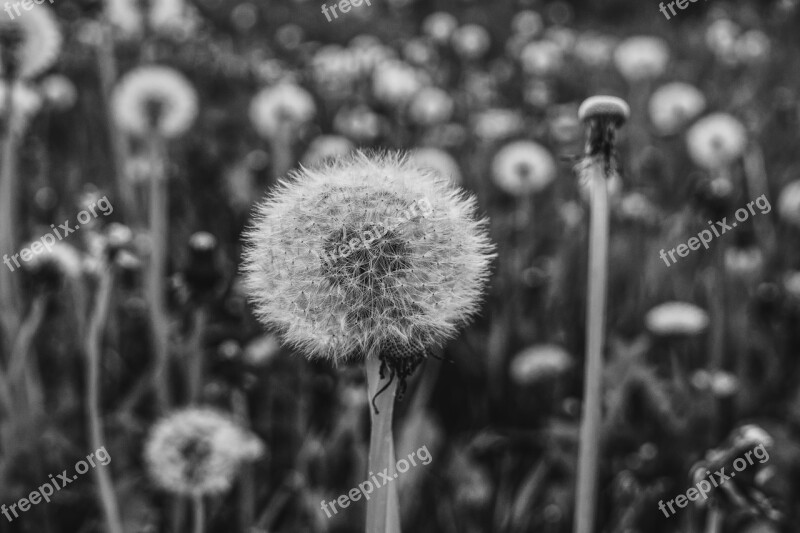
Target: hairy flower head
point(716, 140)
point(523, 167)
point(34, 41)
point(155, 99)
point(368, 254)
point(197, 451)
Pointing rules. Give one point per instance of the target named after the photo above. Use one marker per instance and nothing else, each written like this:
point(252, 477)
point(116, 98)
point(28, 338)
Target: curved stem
point(105, 487)
point(383, 508)
point(595, 331)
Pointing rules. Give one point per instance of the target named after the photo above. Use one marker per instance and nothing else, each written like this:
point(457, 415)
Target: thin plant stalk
point(9, 297)
point(157, 270)
point(595, 332)
point(199, 514)
point(247, 481)
point(105, 487)
point(195, 355)
point(383, 514)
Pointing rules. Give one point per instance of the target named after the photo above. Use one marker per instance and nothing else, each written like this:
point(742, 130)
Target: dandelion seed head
point(789, 203)
point(676, 318)
point(154, 99)
point(283, 105)
point(440, 161)
point(430, 106)
point(540, 362)
point(471, 41)
point(364, 253)
point(197, 451)
point(674, 105)
point(523, 167)
point(716, 140)
point(439, 26)
point(36, 42)
point(641, 57)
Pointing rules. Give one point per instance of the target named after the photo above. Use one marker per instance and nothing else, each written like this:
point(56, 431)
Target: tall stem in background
point(9, 298)
point(157, 269)
point(105, 487)
point(383, 514)
point(603, 115)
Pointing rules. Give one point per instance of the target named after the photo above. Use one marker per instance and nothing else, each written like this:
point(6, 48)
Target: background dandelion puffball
point(367, 252)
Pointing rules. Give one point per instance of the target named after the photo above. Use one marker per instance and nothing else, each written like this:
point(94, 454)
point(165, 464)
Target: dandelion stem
point(383, 513)
point(105, 487)
point(595, 331)
point(157, 269)
point(199, 514)
point(195, 355)
point(9, 297)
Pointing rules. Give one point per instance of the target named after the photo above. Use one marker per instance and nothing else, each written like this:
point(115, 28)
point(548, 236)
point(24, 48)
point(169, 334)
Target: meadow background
point(499, 406)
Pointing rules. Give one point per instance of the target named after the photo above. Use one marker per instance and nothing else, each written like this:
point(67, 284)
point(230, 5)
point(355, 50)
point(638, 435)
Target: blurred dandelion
point(674, 105)
point(29, 45)
point(523, 167)
point(471, 41)
point(326, 147)
point(431, 106)
point(641, 57)
point(789, 203)
point(395, 82)
point(440, 161)
point(540, 362)
point(676, 318)
point(59, 92)
point(715, 141)
point(439, 26)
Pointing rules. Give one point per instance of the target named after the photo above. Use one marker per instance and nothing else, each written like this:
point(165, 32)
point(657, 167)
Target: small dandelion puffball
point(641, 57)
point(471, 41)
point(283, 105)
point(395, 82)
point(163, 15)
point(541, 58)
point(25, 103)
point(716, 141)
point(197, 451)
point(496, 123)
point(59, 92)
point(431, 106)
point(36, 40)
point(674, 105)
point(789, 204)
point(154, 99)
point(540, 362)
point(523, 167)
point(439, 26)
point(367, 256)
point(438, 160)
point(326, 147)
point(676, 318)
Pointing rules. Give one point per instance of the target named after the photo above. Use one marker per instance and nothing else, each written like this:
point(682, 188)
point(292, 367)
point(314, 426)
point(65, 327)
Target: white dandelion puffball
point(641, 57)
point(674, 105)
point(716, 140)
point(721, 38)
point(540, 362)
point(431, 106)
point(365, 255)
point(59, 92)
point(326, 147)
point(497, 123)
point(359, 123)
point(753, 47)
point(439, 26)
point(395, 82)
point(676, 318)
point(789, 203)
point(471, 41)
point(285, 105)
point(154, 99)
point(438, 160)
point(528, 23)
point(541, 58)
point(523, 167)
point(163, 15)
point(25, 103)
point(197, 451)
point(39, 43)
point(594, 50)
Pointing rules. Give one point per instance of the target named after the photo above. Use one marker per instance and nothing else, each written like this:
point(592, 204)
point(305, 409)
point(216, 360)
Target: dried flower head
point(789, 203)
point(25, 104)
point(641, 57)
point(368, 256)
point(716, 141)
point(326, 147)
point(197, 451)
point(283, 105)
point(539, 362)
point(439, 26)
point(674, 105)
point(30, 44)
point(438, 160)
point(523, 167)
point(430, 106)
point(154, 99)
point(676, 318)
point(471, 41)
